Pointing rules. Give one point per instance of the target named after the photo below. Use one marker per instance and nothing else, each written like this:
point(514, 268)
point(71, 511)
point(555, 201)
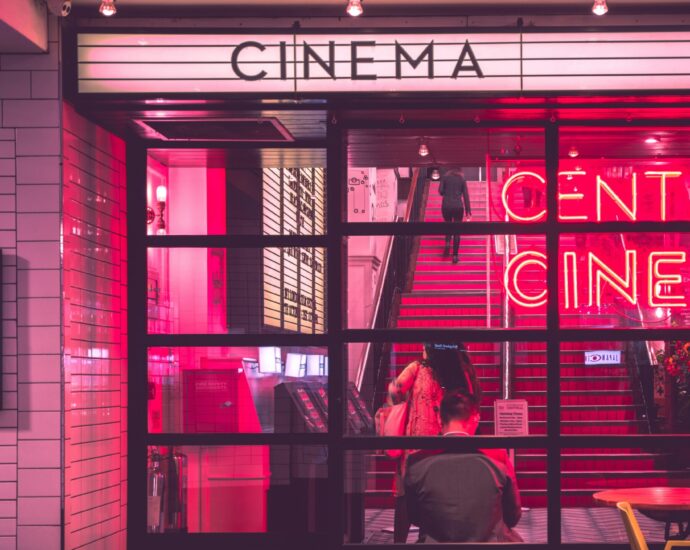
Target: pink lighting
point(600, 7)
point(354, 8)
point(423, 149)
point(161, 193)
point(573, 152)
point(652, 140)
point(108, 8)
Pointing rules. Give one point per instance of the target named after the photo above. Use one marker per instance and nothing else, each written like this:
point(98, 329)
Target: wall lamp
point(161, 198)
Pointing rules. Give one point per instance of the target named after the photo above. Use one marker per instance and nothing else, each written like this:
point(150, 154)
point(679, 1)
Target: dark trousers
point(401, 521)
point(453, 214)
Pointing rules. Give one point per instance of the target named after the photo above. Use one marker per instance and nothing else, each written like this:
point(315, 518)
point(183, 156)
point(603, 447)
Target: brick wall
point(30, 419)
point(95, 317)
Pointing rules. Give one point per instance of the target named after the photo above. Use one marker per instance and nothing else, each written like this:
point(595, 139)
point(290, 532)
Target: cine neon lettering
point(601, 275)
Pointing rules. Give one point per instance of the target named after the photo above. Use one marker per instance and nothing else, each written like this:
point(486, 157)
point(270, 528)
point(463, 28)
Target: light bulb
point(354, 8)
point(161, 193)
point(573, 152)
point(108, 8)
point(423, 150)
point(659, 313)
point(435, 174)
point(599, 7)
point(652, 140)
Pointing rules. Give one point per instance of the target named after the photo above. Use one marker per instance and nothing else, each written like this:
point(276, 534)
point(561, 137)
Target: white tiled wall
point(30, 419)
point(95, 314)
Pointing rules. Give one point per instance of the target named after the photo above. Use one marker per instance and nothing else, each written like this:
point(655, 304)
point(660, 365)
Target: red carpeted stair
point(594, 399)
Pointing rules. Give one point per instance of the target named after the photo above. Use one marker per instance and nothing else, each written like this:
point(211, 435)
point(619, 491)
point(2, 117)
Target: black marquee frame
point(338, 336)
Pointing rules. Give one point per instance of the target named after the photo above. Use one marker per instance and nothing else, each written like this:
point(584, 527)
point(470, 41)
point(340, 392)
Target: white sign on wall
point(604, 357)
point(382, 62)
point(510, 417)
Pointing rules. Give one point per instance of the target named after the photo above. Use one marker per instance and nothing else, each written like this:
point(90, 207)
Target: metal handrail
point(411, 212)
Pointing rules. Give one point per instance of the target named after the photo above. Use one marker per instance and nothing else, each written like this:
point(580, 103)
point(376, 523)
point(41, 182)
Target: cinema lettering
point(641, 270)
point(377, 62)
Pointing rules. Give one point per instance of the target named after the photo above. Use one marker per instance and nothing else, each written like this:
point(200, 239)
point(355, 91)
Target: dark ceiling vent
point(218, 129)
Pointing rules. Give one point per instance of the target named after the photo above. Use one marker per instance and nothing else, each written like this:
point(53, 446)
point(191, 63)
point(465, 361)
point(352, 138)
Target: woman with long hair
point(444, 367)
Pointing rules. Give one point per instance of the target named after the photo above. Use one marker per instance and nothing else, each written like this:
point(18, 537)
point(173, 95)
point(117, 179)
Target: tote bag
point(391, 422)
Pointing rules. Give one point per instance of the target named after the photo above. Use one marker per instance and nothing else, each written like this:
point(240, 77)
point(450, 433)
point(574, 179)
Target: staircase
point(594, 399)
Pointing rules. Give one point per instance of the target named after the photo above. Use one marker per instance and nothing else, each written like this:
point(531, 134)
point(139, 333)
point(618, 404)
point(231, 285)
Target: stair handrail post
point(506, 355)
point(487, 211)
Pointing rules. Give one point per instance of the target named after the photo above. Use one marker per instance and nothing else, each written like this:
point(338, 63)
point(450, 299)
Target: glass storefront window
point(372, 366)
point(503, 171)
point(498, 281)
point(614, 174)
point(237, 489)
point(240, 290)
point(252, 192)
point(238, 390)
point(624, 280)
point(585, 472)
point(373, 473)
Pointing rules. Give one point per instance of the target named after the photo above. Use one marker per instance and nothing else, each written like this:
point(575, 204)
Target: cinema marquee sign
point(381, 62)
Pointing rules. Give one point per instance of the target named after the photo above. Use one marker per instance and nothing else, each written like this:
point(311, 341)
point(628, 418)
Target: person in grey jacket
point(454, 206)
point(462, 497)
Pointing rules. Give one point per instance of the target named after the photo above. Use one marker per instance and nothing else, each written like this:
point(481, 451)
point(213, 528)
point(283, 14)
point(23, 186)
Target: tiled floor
point(579, 525)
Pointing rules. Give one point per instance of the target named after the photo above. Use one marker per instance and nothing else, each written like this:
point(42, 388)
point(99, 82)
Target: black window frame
point(338, 336)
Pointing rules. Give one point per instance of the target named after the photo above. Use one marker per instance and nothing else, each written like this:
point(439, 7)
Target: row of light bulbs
point(355, 9)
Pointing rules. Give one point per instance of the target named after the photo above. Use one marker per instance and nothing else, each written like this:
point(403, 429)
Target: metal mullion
point(396, 335)
point(450, 443)
point(137, 319)
point(336, 172)
point(235, 241)
point(236, 439)
point(230, 340)
point(553, 451)
point(626, 334)
point(657, 441)
point(443, 228)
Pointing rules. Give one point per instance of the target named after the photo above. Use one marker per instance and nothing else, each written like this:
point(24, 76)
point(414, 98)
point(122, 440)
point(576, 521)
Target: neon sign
point(647, 271)
point(600, 197)
point(600, 277)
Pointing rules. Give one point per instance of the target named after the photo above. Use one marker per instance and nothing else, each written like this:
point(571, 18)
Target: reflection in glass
point(237, 489)
point(238, 390)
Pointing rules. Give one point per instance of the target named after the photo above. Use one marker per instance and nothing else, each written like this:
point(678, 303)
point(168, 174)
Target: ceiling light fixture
point(435, 174)
point(423, 150)
point(652, 139)
point(573, 152)
point(600, 7)
point(354, 8)
point(108, 8)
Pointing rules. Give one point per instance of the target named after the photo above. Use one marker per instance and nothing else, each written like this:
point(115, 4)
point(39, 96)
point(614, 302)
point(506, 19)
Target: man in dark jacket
point(462, 497)
point(455, 203)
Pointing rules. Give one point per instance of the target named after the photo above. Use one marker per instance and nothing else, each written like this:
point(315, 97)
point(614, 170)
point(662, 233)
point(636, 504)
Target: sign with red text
point(603, 357)
point(391, 61)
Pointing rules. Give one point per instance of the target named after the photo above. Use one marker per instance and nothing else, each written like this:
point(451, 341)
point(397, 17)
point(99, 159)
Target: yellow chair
point(635, 535)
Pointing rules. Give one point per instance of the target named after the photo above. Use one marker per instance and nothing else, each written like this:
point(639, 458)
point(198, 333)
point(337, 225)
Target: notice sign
point(510, 417)
point(605, 357)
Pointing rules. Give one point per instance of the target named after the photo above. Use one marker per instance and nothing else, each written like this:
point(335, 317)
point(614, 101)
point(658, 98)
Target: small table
point(667, 504)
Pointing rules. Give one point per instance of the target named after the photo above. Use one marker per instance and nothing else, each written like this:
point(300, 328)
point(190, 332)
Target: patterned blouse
point(425, 400)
